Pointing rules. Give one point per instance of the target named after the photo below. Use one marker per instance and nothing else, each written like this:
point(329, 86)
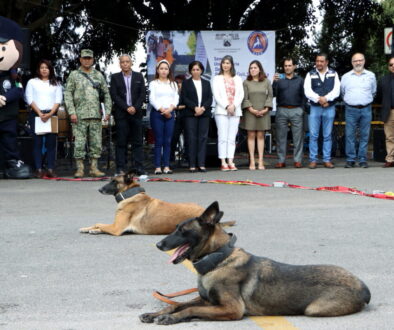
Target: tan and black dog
point(233, 283)
point(141, 214)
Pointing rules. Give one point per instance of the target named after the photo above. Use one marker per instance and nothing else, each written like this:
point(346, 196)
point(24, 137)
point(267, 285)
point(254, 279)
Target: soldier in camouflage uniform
point(82, 101)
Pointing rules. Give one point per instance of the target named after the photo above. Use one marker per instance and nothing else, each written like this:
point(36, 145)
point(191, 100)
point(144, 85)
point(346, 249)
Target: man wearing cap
point(11, 51)
point(85, 90)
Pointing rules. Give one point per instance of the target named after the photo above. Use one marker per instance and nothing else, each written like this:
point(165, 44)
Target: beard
point(358, 68)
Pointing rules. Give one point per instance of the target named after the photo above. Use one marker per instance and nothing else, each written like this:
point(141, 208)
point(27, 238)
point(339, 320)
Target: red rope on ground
point(338, 189)
point(76, 179)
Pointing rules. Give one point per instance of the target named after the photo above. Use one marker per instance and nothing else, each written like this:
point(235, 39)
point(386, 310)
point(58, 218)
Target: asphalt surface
point(53, 277)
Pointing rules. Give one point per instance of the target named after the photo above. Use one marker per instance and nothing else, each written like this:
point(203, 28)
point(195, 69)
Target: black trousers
point(197, 134)
point(179, 128)
point(8, 134)
point(129, 128)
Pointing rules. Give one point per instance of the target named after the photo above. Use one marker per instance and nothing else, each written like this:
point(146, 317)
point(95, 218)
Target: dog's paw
point(95, 231)
point(165, 319)
point(83, 230)
point(147, 318)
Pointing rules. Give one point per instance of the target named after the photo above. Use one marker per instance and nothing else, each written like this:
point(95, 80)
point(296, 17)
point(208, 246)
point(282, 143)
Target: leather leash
point(166, 297)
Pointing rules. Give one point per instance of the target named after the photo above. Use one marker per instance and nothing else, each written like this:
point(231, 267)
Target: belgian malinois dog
point(233, 283)
point(139, 213)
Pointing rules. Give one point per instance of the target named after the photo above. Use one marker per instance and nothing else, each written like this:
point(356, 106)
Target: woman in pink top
point(228, 93)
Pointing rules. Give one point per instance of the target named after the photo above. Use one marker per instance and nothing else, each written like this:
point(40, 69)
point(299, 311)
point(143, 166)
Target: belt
point(43, 111)
point(358, 106)
point(288, 106)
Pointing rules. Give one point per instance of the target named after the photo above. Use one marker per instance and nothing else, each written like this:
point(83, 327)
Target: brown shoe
point(39, 174)
point(297, 165)
point(280, 165)
point(328, 165)
point(51, 174)
point(312, 165)
point(388, 164)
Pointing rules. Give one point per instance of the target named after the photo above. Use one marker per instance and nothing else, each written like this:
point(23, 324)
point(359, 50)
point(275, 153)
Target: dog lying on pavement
point(233, 283)
point(141, 214)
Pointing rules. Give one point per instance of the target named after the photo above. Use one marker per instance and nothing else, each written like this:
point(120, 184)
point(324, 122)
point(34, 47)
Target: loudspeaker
point(25, 63)
point(379, 145)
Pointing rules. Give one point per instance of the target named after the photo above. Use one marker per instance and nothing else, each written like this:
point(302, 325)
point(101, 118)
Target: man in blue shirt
point(358, 88)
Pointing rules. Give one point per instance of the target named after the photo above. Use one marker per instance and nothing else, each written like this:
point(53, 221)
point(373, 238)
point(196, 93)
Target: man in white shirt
point(322, 87)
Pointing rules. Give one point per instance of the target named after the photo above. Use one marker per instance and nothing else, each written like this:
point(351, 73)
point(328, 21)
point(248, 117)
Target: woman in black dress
point(196, 95)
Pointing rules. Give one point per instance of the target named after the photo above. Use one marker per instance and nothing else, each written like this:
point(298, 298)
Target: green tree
point(59, 29)
point(347, 27)
point(375, 44)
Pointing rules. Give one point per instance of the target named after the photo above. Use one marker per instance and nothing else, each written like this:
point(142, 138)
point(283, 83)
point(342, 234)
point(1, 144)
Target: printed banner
point(180, 48)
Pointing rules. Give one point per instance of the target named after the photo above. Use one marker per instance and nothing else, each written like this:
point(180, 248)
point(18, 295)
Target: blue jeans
point(162, 129)
point(325, 117)
point(38, 140)
point(361, 119)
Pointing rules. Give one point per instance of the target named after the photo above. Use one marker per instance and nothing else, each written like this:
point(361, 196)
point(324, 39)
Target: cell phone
point(281, 76)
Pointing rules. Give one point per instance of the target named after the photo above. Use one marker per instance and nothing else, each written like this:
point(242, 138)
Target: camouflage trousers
point(87, 131)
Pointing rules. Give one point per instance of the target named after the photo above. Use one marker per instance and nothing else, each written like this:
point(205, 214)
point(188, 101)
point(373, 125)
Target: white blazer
point(220, 95)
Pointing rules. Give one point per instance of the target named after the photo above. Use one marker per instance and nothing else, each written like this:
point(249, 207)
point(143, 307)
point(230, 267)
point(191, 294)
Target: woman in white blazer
point(228, 93)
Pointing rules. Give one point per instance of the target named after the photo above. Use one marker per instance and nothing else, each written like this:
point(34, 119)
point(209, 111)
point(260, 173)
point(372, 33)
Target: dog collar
point(128, 193)
point(210, 261)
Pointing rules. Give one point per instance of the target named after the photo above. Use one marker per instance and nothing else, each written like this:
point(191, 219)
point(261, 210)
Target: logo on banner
point(257, 42)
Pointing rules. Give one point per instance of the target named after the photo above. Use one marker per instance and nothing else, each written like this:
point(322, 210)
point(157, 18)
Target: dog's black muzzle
point(109, 189)
point(170, 242)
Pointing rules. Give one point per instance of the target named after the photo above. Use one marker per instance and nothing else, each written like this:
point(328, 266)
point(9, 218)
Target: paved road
point(53, 277)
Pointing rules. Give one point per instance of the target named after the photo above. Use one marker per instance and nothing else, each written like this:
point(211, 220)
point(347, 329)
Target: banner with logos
point(180, 48)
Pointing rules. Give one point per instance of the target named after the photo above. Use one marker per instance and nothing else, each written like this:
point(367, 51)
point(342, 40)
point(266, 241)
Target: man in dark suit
point(386, 95)
point(128, 93)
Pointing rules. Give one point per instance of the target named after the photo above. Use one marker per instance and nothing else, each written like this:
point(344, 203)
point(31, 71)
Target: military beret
point(86, 53)
point(9, 30)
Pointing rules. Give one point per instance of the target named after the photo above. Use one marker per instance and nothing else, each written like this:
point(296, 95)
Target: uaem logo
point(257, 42)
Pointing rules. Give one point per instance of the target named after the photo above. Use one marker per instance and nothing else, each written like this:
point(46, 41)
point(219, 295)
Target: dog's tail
point(228, 223)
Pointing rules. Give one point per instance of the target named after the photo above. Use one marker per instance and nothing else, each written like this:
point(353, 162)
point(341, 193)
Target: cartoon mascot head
point(11, 48)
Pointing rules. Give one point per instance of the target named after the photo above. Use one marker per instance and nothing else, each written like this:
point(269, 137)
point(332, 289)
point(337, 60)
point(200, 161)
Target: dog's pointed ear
point(212, 215)
point(129, 177)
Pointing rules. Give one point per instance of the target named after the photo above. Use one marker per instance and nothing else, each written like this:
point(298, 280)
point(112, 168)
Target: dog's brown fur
point(142, 214)
point(244, 284)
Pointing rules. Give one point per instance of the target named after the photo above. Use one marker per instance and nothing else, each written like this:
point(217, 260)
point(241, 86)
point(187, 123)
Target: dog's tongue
point(178, 252)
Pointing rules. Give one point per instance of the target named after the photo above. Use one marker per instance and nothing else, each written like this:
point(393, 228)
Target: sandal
point(224, 168)
point(261, 166)
point(232, 167)
point(158, 171)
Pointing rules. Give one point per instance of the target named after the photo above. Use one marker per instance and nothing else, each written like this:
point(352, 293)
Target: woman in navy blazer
point(196, 94)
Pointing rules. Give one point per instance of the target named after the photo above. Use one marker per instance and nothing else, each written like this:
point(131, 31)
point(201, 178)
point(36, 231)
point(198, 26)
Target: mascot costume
point(11, 51)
